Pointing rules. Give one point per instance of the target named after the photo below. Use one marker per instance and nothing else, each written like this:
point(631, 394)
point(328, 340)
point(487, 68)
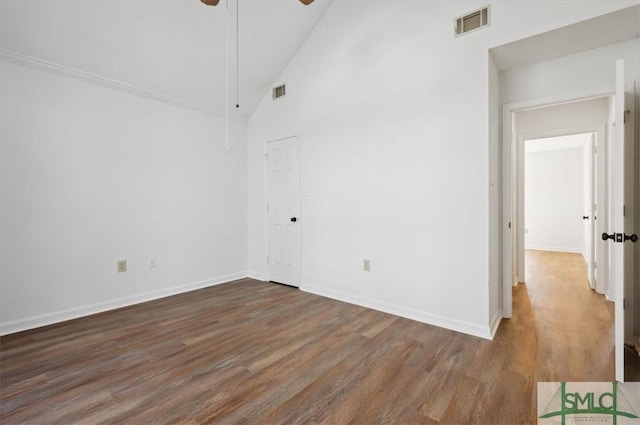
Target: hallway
point(568, 326)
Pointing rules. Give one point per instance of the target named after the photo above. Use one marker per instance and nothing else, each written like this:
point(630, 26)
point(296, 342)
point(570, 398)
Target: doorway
point(617, 147)
point(559, 199)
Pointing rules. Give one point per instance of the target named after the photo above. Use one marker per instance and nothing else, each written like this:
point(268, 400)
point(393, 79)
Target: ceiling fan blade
point(306, 2)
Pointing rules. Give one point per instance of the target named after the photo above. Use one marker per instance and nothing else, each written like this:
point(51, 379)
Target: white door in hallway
point(283, 211)
point(619, 225)
point(601, 250)
point(589, 210)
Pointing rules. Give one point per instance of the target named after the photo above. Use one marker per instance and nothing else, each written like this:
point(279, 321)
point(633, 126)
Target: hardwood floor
point(254, 353)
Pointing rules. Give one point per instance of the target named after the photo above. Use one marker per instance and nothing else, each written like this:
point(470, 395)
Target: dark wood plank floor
point(254, 353)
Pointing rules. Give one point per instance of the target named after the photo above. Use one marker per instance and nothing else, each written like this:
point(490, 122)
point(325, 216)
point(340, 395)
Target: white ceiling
point(573, 141)
point(618, 26)
point(171, 47)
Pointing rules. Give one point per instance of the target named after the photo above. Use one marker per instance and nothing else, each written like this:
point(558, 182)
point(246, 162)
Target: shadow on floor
point(631, 364)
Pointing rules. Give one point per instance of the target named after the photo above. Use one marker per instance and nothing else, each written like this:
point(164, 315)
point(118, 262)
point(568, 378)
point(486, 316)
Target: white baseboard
point(553, 248)
point(257, 276)
point(495, 323)
point(74, 313)
point(430, 319)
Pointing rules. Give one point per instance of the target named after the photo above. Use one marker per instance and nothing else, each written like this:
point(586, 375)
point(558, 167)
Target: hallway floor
point(570, 325)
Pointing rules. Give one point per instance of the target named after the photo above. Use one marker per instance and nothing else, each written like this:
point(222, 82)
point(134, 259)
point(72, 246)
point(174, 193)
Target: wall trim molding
point(76, 74)
point(75, 313)
point(257, 276)
point(408, 313)
point(495, 322)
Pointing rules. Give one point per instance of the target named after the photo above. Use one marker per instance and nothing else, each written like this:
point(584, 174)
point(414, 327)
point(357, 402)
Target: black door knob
point(585, 217)
point(294, 219)
point(633, 238)
point(611, 236)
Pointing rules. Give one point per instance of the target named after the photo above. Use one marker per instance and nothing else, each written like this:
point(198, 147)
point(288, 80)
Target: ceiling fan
point(215, 2)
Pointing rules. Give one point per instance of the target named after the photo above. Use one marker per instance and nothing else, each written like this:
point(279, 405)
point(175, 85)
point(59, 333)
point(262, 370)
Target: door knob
point(611, 236)
point(633, 238)
point(294, 219)
point(585, 217)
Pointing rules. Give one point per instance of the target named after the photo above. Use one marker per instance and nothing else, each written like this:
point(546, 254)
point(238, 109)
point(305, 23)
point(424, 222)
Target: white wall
point(495, 195)
point(91, 175)
point(393, 117)
point(568, 116)
point(554, 197)
point(592, 69)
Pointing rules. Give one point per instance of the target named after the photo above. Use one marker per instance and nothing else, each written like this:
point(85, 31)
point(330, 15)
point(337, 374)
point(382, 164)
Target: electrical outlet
point(122, 266)
point(152, 262)
point(366, 265)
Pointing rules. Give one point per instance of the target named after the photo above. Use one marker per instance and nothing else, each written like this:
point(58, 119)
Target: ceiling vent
point(279, 91)
point(473, 21)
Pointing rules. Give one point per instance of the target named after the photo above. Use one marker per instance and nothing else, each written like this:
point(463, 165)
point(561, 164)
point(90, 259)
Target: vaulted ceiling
point(172, 47)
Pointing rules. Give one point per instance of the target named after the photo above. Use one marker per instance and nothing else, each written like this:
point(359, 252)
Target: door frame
point(266, 209)
point(600, 132)
point(510, 168)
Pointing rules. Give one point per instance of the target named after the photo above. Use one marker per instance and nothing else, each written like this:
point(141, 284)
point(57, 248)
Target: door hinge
point(595, 264)
point(624, 210)
point(624, 116)
point(267, 207)
point(509, 225)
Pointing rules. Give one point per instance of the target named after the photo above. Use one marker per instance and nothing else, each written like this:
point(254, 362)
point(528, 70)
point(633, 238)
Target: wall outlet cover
point(366, 265)
point(122, 266)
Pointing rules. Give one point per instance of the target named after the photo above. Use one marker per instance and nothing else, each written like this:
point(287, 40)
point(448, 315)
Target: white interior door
point(600, 211)
point(508, 219)
point(519, 216)
point(283, 210)
point(616, 222)
point(589, 214)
